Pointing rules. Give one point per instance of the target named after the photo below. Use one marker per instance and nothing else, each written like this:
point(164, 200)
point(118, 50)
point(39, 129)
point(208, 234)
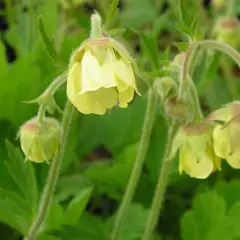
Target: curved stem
point(188, 63)
point(41, 113)
point(161, 185)
point(56, 84)
point(220, 46)
point(53, 175)
point(136, 172)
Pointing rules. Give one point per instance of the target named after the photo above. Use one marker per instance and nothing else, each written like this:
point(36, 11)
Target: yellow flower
point(196, 153)
point(226, 136)
point(40, 141)
point(100, 76)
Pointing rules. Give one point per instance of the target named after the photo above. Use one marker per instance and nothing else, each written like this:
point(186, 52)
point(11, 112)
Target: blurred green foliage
point(102, 149)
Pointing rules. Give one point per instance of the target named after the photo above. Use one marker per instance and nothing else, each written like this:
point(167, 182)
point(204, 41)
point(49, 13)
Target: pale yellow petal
point(198, 143)
point(234, 159)
point(96, 102)
point(125, 97)
point(223, 114)
point(108, 70)
point(74, 81)
point(124, 72)
point(90, 73)
point(234, 136)
point(221, 141)
point(178, 141)
point(196, 168)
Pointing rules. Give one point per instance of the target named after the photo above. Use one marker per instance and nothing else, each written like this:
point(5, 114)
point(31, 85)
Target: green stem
point(196, 104)
point(220, 46)
point(188, 63)
point(161, 185)
point(96, 27)
point(136, 172)
point(41, 113)
point(53, 175)
point(56, 84)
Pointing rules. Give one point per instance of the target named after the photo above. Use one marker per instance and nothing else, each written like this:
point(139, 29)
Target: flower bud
point(40, 141)
point(176, 109)
point(179, 58)
point(101, 76)
point(228, 30)
point(166, 87)
point(217, 4)
point(226, 135)
point(196, 154)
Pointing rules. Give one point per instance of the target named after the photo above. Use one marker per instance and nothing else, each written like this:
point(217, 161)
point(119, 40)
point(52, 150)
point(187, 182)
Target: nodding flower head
point(100, 76)
point(226, 133)
point(197, 157)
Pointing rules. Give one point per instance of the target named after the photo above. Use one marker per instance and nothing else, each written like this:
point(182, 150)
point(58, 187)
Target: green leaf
point(3, 62)
point(15, 211)
point(49, 47)
point(112, 178)
point(112, 14)
point(23, 175)
point(115, 127)
point(55, 217)
point(134, 224)
point(149, 46)
point(88, 228)
point(138, 13)
point(234, 214)
point(71, 185)
point(207, 220)
point(77, 206)
point(230, 191)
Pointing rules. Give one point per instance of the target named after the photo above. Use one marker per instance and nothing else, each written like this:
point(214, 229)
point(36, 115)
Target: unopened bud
point(166, 87)
point(40, 141)
point(179, 58)
point(176, 109)
point(217, 4)
point(228, 30)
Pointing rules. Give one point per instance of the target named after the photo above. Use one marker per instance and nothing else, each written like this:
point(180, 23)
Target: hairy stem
point(136, 172)
point(96, 27)
point(188, 63)
point(161, 185)
point(223, 47)
point(53, 175)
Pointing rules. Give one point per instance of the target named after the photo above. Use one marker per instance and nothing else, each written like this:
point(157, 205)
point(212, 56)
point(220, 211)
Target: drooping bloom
point(196, 154)
point(226, 135)
point(40, 141)
point(100, 76)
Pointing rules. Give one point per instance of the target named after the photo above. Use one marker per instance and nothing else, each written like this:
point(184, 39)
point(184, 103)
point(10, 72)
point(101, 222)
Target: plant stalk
point(53, 175)
point(161, 185)
point(136, 172)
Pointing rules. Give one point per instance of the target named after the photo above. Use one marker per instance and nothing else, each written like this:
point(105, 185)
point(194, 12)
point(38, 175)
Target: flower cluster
point(203, 144)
